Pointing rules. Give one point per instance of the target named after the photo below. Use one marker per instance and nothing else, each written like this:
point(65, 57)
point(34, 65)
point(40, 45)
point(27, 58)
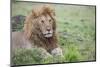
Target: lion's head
point(41, 21)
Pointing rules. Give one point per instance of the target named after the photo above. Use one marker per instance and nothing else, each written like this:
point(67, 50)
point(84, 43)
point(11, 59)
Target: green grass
point(76, 30)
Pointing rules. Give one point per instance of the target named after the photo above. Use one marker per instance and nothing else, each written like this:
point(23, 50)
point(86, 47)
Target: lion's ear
point(34, 13)
point(54, 18)
point(53, 13)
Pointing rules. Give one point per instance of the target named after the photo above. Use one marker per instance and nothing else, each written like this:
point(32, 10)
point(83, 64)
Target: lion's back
point(19, 41)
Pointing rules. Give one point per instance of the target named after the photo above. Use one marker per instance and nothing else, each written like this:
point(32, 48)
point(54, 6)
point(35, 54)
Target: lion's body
point(19, 41)
point(39, 30)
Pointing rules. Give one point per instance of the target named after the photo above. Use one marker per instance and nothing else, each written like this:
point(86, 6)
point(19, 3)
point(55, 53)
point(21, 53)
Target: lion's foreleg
point(57, 52)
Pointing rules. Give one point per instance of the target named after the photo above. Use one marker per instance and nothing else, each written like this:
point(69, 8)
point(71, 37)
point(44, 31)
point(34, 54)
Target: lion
point(39, 31)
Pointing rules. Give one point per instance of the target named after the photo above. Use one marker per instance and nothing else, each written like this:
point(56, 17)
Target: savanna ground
point(75, 27)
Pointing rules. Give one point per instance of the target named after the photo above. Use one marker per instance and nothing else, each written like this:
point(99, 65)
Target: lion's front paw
point(57, 52)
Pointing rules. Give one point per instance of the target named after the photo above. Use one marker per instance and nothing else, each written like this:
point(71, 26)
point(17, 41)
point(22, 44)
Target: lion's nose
point(48, 29)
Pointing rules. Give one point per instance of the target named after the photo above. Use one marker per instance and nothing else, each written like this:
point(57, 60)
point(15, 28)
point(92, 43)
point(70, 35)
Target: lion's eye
point(50, 20)
point(42, 21)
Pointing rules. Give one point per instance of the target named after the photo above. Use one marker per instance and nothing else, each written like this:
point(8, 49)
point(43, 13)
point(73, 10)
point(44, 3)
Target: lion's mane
point(33, 34)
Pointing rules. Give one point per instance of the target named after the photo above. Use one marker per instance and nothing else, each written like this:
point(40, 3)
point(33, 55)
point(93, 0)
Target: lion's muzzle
point(48, 34)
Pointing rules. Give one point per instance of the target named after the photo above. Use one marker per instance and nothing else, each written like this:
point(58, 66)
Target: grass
point(76, 30)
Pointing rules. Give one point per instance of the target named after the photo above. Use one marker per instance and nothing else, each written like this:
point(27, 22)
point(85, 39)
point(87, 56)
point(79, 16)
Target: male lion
point(39, 30)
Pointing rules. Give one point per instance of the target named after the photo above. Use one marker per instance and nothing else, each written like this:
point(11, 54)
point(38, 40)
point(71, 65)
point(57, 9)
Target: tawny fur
point(31, 35)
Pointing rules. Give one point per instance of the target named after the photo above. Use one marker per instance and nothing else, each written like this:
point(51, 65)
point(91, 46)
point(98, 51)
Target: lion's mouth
point(47, 35)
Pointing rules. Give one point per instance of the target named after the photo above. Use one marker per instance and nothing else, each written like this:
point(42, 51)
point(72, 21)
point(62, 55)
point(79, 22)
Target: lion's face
point(41, 21)
point(45, 23)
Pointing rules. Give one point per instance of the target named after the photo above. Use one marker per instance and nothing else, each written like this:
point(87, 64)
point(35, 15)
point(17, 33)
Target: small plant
point(72, 55)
